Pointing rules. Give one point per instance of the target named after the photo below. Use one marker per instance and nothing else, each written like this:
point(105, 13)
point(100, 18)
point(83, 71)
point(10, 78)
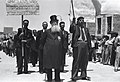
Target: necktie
point(83, 37)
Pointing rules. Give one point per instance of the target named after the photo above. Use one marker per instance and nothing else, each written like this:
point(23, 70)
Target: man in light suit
point(81, 44)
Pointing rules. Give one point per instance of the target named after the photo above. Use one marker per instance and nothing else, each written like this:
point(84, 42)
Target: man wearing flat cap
point(52, 50)
point(26, 38)
point(81, 44)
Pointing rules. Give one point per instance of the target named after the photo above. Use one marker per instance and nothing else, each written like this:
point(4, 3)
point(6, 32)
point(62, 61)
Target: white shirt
point(43, 30)
point(34, 37)
point(84, 34)
point(80, 38)
point(92, 43)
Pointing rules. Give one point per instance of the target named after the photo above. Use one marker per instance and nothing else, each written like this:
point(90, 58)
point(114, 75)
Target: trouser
point(63, 59)
point(19, 59)
point(41, 60)
point(49, 74)
point(34, 57)
point(108, 53)
point(75, 69)
point(90, 56)
point(113, 56)
point(93, 52)
point(75, 55)
point(103, 55)
point(26, 59)
point(80, 59)
point(117, 60)
point(23, 60)
point(64, 54)
point(10, 52)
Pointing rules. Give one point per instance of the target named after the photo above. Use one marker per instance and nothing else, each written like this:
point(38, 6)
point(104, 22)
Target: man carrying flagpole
point(81, 45)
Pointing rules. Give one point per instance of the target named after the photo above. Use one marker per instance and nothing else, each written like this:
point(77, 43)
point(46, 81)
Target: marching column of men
point(51, 45)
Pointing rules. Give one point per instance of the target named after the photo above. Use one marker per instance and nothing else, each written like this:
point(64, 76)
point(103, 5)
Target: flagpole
point(22, 36)
point(73, 11)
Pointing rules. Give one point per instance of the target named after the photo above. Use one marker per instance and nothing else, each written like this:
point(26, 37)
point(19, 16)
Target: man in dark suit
point(81, 44)
point(26, 38)
point(52, 52)
point(18, 50)
point(65, 43)
point(40, 47)
point(34, 49)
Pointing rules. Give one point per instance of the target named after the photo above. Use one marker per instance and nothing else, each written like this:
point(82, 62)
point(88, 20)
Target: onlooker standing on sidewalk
point(92, 54)
point(113, 55)
point(117, 59)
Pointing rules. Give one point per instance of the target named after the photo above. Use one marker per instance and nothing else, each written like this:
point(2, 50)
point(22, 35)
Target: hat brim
point(53, 21)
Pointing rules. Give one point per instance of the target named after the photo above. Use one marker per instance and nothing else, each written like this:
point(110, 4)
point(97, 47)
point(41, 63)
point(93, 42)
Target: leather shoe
point(19, 73)
point(26, 72)
point(115, 70)
point(73, 79)
point(85, 78)
point(57, 80)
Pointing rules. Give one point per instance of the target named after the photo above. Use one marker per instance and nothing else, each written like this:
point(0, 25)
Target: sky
point(111, 6)
point(47, 8)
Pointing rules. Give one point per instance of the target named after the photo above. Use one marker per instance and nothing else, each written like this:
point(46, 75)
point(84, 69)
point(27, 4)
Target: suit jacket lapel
point(85, 29)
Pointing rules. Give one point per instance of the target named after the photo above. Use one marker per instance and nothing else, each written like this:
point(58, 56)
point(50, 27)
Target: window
point(109, 24)
point(99, 25)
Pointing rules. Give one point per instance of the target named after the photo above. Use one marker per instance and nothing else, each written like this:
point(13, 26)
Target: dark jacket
point(38, 39)
point(65, 40)
point(28, 37)
point(74, 28)
point(17, 41)
point(52, 51)
point(34, 45)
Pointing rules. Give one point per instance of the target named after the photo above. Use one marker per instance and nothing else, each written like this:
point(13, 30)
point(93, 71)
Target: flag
point(22, 7)
point(71, 12)
point(83, 8)
point(97, 6)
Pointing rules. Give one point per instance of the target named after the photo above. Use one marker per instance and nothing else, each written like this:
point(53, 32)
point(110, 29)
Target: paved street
point(96, 71)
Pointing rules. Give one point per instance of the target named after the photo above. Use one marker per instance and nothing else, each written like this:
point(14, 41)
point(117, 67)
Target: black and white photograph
point(59, 40)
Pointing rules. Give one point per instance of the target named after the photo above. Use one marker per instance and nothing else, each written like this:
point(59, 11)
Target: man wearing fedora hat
point(81, 44)
point(52, 51)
